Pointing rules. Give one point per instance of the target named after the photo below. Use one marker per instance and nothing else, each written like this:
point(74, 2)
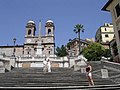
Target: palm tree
point(77, 29)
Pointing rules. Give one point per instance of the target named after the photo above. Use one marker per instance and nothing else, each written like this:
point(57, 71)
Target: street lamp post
point(14, 41)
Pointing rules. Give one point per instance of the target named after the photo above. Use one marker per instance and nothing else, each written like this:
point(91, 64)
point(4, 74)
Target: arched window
point(29, 32)
point(49, 31)
point(49, 52)
point(35, 49)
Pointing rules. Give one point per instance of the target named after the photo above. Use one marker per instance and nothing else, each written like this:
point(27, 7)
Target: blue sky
point(14, 14)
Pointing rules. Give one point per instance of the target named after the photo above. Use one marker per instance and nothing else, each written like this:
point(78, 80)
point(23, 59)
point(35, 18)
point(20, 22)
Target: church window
point(35, 49)
point(29, 32)
point(49, 31)
point(28, 53)
point(23, 52)
point(49, 52)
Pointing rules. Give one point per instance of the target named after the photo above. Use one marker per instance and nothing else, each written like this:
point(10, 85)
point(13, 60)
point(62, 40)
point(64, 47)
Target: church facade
point(41, 45)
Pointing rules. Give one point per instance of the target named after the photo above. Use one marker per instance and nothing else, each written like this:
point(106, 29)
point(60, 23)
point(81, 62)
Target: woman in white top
point(49, 65)
point(45, 66)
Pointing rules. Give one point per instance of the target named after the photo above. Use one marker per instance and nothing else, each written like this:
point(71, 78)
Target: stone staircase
point(34, 78)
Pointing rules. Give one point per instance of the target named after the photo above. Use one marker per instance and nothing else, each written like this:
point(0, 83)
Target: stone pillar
point(2, 68)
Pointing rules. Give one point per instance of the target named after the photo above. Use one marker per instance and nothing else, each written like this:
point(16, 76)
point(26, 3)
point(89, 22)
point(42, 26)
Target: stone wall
point(110, 65)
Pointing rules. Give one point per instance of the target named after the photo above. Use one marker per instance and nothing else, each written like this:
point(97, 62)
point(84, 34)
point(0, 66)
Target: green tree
point(94, 52)
point(107, 53)
point(61, 51)
point(77, 29)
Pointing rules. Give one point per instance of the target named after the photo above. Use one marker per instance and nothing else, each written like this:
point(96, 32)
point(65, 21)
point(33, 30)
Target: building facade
point(113, 6)
point(73, 46)
point(31, 45)
point(105, 34)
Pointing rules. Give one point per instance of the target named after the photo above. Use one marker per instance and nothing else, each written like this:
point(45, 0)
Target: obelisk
point(39, 47)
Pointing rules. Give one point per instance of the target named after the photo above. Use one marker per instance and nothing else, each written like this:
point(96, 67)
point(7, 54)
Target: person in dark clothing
point(89, 74)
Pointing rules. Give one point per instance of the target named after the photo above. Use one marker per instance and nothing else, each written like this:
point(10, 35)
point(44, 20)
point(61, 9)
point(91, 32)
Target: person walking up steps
point(49, 65)
point(89, 74)
point(45, 66)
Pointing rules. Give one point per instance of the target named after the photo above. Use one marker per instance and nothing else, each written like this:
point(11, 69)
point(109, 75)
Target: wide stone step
point(52, 84)
point(59, 77)
point(38, 69)
point(50, 80)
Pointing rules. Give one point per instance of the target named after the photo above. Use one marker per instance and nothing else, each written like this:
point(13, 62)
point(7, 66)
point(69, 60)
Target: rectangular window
point(106, 35)
point(105, 29)
point(117, 8)
point(119, 34)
